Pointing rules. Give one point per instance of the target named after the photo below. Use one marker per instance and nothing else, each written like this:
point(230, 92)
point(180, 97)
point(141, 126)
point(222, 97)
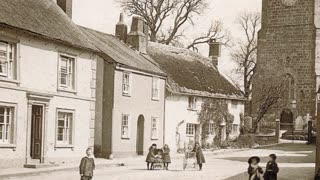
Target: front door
point(36, 132)
point(140, 135)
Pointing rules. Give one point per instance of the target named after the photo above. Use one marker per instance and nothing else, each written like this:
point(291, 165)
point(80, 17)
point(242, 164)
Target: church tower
point(289, 46)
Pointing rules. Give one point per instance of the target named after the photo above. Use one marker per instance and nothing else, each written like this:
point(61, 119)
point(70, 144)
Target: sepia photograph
point(159, 89)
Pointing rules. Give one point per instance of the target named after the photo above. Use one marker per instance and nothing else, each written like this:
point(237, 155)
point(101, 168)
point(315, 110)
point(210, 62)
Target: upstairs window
point(235, 128)
point(7, 59)
point(192, 103)
point(126, 84)
point(234, 104)
point(155, 88)
point(211, 128)
point(67, 72)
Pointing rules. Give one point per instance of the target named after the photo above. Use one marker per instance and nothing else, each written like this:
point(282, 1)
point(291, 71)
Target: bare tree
point(215, 31)
point(272, 95)
point(156, 12)
point(245, 53)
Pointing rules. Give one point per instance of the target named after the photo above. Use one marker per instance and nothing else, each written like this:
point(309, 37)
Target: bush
point(243, 141)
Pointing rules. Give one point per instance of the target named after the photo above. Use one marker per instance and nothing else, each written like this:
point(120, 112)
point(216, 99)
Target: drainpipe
point(164, 115)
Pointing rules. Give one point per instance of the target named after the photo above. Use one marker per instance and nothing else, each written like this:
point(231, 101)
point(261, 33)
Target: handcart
point(189, 160)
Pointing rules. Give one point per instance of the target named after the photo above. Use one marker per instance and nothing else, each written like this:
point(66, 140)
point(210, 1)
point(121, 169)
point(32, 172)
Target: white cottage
point(192, 79)
point(47, 85)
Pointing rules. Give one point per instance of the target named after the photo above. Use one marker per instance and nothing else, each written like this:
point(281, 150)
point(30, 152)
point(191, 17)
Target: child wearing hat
point(254, 170)
point(272, 168)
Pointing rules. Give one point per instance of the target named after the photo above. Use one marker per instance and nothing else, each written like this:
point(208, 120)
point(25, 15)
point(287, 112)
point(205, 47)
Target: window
point(235, 128)
point(155, 88)
point(154, 128)
point(126, 84)
point(7, 59)
point(67, 72)
point(190, 131)
point(64, 127)
point(192, 103)
point(211, 128)
point(125, 126)
point(6, 124)
point(234, 104)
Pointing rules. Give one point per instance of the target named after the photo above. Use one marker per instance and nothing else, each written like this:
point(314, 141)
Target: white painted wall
point(38, 72)
point(177, 111)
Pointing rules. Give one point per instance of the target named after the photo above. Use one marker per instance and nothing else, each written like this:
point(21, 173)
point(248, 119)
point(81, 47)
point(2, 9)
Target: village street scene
point(159, 89)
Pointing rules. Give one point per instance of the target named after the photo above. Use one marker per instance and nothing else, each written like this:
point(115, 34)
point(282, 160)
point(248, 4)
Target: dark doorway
point(286, 120)
point(140, 135)
point(36, 132)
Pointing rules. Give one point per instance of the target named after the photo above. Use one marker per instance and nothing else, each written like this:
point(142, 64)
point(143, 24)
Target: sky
point(102, 15)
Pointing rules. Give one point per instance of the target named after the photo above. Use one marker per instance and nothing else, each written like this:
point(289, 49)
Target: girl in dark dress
point(166, 156)
point(151, 156)
point(199, 155)
point(254, 170)
point(272, 168)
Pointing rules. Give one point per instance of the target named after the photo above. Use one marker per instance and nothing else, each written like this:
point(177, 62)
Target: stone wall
point(286, 46)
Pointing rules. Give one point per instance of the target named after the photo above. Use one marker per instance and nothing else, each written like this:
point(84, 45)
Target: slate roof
point(190, 73)
point(43, 18)
point(121, 52)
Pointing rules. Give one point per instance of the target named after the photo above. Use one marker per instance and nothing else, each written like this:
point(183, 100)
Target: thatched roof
point(42, 18)
point(190, 73)
point(120, 52)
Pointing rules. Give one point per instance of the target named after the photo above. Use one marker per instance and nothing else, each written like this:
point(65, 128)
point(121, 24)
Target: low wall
point(266, 139)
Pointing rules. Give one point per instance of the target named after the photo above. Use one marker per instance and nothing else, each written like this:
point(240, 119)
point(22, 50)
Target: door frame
point(43, 100)
point(141, 122)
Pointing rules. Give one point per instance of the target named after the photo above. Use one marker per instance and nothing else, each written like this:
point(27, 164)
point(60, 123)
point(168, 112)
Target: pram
point(189, 160)
point(158, 161)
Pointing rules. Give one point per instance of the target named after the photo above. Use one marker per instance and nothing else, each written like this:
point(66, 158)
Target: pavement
point(296, 161)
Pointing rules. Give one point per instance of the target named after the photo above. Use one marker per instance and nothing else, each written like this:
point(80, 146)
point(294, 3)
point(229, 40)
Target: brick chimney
point(138, 37)
point(214, 51)
point(66, 6)
point(121, 29)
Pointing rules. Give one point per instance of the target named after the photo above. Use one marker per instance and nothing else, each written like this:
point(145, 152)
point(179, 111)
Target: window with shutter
point(125, 126)
point(155, 88)
point(126, 89)
point(154, 128)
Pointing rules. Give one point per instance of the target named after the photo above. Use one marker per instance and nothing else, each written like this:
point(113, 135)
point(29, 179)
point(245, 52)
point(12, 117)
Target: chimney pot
point(121, 29)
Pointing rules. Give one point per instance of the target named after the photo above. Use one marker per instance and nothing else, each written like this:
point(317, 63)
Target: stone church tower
point(289, 46)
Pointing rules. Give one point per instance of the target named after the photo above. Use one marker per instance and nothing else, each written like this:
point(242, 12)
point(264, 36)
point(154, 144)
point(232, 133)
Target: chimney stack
point(138, 37)
point(214, 51)
point(66, 6)
point(121, 29)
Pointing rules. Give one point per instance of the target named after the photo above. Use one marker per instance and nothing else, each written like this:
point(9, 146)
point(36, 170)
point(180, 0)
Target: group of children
point(163, 156)
point(158, 156)
point(256, 173)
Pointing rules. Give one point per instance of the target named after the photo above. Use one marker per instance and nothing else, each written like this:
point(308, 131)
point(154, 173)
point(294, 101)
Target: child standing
point(166, 156)
point(254, 170)
point(272, 168)
point(151, 156)
point(199, 155)
point(87, 165)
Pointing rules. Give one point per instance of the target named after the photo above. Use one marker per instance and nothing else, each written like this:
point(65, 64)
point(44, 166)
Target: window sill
point(155, 99)
point(126, 95)
point(9, 146)
point(189, 109)
point(189, 135)
point(154, 139)
point(125, 138)
point(63, 146)
point(4, 79)
point(60, 89)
